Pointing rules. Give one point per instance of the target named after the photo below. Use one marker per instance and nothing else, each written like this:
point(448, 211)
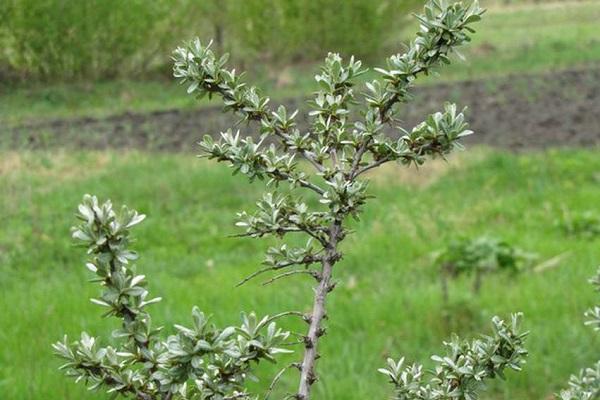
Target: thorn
point(331, 287)
point(308, 343)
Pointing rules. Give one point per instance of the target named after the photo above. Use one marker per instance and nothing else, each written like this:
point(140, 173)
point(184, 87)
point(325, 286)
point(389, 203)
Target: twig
point(305, 261)
point(290, 273)
point(277, 377)
point(287, 313)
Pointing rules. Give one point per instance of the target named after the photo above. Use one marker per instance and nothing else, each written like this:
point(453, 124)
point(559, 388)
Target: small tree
point(477, 257)
point(206, 363)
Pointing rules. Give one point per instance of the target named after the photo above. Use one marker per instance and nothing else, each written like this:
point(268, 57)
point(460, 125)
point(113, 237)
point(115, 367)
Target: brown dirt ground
point(515, 112)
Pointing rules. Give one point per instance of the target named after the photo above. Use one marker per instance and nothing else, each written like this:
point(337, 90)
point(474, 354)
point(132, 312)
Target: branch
point(586, 385)
point(278, 267)
point(438, 135)
point(197, 65)
point(358, 158)
point(372, 165)
point(314, 274)
point(462, 371)
point(106, 235)
point(442, 28)
point(287, 313)
point(203, 359)
point(278, 377)
point(583, 386)
point(254, 161)
point(99, 367)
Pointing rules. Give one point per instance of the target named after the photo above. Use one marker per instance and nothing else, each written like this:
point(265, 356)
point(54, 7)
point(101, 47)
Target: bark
point(315, 330)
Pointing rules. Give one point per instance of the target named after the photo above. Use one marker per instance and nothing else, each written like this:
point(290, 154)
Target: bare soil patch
point(515, 112)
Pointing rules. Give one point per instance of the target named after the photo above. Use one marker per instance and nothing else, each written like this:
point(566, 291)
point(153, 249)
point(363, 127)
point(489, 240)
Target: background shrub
point(479, 256)
point(58, 39)
point(103, 39)
point(584, 224)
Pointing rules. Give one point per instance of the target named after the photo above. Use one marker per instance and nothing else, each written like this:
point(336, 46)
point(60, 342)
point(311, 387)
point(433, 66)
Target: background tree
point(477, 257)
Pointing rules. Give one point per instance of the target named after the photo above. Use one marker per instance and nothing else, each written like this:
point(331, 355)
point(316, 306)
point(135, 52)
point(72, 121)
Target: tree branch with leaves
point(199, 362)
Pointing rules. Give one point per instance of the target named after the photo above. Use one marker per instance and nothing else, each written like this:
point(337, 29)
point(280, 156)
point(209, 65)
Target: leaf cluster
point(586, 384)
point(462, 372)
point(197, 362)
point(484, 254)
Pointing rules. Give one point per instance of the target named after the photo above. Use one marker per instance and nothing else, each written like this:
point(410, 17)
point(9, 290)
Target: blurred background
point(88, 105)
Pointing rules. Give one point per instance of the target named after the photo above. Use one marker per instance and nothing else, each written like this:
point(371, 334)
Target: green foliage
point(586, 384)
point(283, 31)
point(62, 40)
point(201, 362)
point(582, 224)
point(59, 40)
point(484, 254)
point(477, 257)
point(461, 373)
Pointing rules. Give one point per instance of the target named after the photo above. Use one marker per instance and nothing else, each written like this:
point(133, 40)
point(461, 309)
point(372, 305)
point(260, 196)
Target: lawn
point(388, 300)
point(513, 39)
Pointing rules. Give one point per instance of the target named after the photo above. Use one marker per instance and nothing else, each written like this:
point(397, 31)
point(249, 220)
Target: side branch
point(438, 135)
point(198, 66)
point(256, 162)
point(281, 265)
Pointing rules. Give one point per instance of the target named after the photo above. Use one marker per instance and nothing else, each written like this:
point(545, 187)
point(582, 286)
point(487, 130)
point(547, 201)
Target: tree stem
point(315, 330)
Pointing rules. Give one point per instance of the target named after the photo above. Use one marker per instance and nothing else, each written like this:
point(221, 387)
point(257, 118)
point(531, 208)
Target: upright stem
point(477, 281)
point(315, 330)
point(444, 274)
point(444, 280)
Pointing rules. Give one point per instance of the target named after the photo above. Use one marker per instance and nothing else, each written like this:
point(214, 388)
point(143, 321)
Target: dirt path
point(519, 112)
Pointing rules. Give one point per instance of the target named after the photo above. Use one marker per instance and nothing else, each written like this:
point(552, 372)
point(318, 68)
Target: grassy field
point(388, 301)
point(511, 39)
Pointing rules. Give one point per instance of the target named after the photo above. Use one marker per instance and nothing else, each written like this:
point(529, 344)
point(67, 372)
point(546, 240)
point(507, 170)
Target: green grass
point(515, 39)
point(532, 38)
point(388, 300)
point(94, 99)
